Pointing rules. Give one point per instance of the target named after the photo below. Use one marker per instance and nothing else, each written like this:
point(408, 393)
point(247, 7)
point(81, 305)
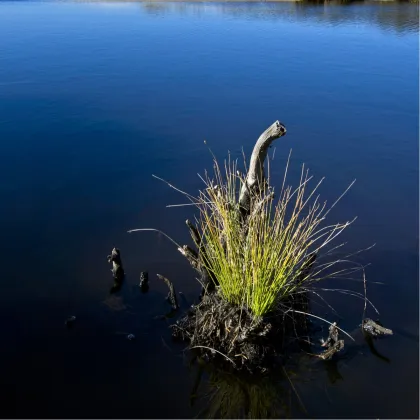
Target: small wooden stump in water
point(332, 343)
point(117, 269)
point(144, 281)
point(374, 329)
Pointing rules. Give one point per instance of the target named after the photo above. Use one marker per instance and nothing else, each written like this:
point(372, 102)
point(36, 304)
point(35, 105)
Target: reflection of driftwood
point(372, 348)
point(333, 373)
point(373, 329)
point(171, 295)
point(117, 268)
point(332, 343)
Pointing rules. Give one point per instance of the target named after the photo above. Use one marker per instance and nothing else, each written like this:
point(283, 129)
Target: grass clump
point(262, 259)
point(259, 252)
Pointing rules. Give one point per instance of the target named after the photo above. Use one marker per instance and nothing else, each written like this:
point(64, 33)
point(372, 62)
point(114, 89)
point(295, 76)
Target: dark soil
point(237, 338)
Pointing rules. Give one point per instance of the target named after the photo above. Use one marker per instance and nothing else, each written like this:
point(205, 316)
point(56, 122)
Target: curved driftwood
point(171, 295)
point(250, 189)
point(255, 176)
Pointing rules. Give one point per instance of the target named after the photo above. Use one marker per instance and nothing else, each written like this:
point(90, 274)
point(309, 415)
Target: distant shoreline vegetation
point(253, 1)
point(400, 16)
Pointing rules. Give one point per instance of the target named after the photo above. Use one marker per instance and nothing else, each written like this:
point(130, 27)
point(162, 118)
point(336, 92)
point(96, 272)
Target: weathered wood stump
point(255, 178)
point(332, 343)
point(374, 329)
point(144, 281)
point(249, 201)
point(117, 269)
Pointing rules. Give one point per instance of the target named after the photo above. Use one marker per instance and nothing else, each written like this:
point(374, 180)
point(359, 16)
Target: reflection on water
point(228, 395)
point(277, 394)
point(389, 17)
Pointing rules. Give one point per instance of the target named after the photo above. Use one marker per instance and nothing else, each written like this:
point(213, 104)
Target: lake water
point(96, 97)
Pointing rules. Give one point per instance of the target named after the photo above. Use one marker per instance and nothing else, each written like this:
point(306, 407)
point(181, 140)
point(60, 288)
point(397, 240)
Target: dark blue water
point(97, 97)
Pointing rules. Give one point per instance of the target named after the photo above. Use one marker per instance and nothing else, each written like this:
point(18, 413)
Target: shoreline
point(314, 2)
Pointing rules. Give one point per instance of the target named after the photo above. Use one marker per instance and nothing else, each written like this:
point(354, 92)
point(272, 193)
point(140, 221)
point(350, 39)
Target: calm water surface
point(97, 97)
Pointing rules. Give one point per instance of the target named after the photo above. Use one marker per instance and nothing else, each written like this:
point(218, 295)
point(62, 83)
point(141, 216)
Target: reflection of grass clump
point(231, 396)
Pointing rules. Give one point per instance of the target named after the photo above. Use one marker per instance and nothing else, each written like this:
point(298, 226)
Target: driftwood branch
point(194, 234)
point(255, 176)
point(374, 329)
point(198, 259)
point(259, 206)
point(191, 256)
point(171, 295)
point(250, 188)
point(332, 344)
point(251, 185)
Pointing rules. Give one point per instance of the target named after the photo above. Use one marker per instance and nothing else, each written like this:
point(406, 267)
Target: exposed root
point(217, 328)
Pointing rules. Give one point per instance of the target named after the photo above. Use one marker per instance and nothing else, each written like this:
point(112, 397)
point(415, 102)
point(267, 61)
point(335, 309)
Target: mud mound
point(218, 329)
